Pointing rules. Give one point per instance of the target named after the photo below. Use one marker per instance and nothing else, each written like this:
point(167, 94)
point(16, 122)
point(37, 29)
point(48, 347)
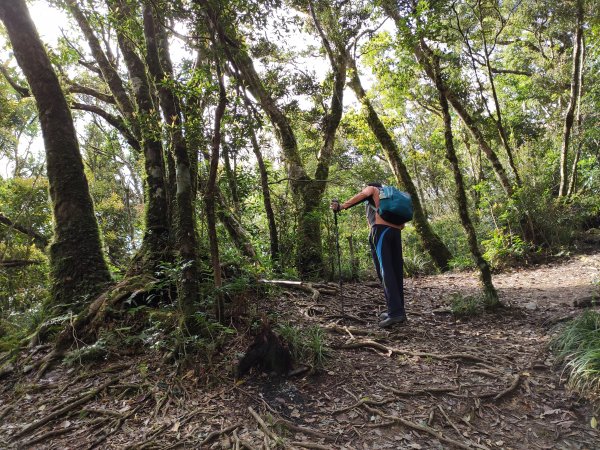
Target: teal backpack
point(395, 206)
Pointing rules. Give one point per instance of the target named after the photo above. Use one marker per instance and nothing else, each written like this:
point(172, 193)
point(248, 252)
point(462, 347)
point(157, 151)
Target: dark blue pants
point(386, 249)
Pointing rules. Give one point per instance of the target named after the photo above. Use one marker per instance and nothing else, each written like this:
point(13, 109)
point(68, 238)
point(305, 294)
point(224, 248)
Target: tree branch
point(39, 240)
point(113, 120)
point(21, 90)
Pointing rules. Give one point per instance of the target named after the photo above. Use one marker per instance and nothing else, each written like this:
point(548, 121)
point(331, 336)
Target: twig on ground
point(391, 350)
point(117, 426)
point(292, 426)
point(310, 445)
point(262, 424)
point(364, 401)
point(69, 407)
point(215, 434)
point(407, 423)
point(452, 424)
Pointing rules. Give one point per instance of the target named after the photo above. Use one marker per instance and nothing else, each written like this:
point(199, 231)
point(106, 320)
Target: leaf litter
point(486, 382)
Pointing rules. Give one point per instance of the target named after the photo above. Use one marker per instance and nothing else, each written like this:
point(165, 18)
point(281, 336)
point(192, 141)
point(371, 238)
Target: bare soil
point(487, 382)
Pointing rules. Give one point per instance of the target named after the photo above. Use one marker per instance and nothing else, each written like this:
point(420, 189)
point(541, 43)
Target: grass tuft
point(578, 346)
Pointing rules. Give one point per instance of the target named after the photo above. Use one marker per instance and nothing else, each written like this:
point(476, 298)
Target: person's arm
point(359, 198)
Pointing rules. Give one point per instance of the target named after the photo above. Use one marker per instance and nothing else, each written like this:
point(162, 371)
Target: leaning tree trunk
point(264, 182)
point(431, 241)
point(77, 267)
point(570, 116)
point(424, 55)
point(485, 273)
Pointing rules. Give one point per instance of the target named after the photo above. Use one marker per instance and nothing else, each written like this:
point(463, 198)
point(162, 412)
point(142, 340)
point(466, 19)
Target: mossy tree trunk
point(573, 98)
point(485, 273)
point(155, 244)
point(161, 70)
point(431, 241)
point(78, 270)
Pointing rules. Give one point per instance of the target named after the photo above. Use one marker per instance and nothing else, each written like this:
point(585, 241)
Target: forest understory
point(487, 382)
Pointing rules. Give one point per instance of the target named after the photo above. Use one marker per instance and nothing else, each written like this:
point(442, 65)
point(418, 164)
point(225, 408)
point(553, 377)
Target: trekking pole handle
point(336, 210)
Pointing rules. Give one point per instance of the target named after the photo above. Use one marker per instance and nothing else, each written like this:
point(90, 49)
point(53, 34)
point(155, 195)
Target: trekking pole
point(339, 258)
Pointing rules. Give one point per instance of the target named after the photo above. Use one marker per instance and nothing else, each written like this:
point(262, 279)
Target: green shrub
point(465, 305)
point(306, 345)
point(578, 346)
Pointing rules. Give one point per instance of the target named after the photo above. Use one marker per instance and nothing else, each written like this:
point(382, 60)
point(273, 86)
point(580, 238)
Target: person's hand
point(335, 205)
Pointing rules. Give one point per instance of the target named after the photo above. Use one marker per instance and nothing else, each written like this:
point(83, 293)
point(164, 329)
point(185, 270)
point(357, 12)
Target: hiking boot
point(383, 316)
point(391, 321)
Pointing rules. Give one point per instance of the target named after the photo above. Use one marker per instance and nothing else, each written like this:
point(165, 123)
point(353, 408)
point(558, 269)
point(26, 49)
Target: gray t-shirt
point(370, 213)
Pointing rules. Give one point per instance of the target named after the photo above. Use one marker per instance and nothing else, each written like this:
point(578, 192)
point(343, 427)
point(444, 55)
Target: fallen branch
point(62, 411)
point(215, 434)
point(415, 426)
point(497, 396)
point(9, 263)
point(392, 350)
point(302, 285)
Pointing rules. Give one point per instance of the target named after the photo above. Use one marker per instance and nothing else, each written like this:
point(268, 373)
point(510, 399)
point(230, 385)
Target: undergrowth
point(578, 347)
point(307, 345)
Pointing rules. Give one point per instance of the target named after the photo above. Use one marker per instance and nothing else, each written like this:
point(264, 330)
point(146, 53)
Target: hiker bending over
point(385, 240)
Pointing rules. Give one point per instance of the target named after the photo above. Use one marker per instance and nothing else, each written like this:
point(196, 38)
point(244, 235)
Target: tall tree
point(77, 266)
point(573, 99)
point(485, 273)
point(159, 63)
point(308, 191)
point(424, 53)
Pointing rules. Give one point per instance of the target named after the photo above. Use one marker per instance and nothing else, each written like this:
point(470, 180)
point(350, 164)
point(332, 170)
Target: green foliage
point(307, 345)
point(416, 260)
point(578, 346)
point(473, 305)
point(465, 305)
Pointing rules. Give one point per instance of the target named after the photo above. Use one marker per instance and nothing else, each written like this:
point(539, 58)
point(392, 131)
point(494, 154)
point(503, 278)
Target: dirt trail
point(486, 382)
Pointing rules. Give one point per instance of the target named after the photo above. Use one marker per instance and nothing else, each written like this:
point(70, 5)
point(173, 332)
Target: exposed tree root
point(89, 321)
point(292, 426)
point(427, 391)
point(497, 396)
point(115, 426)
point(391, 350)
point(215, 434)
point(335, 328)
point(302, 285)
point(71, 405)
point(415, 426)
